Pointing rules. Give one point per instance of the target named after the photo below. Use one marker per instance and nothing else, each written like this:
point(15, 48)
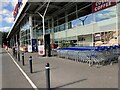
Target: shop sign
point(41, 50)
point(17, 7)
point(15, 11)
point(102, 4)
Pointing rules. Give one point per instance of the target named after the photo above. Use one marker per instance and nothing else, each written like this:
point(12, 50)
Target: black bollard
point(18, 56)
point(23, 59)
point(47, 76)
point(30, 60)
point(14, 51)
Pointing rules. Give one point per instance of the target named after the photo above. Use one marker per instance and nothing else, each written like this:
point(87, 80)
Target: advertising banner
point(41, 50)
point(102, 4)
point(29, 48)
point(15, 11)
point(34, 44)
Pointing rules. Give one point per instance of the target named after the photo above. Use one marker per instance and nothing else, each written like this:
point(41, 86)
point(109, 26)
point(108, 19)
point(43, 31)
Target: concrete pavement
point(11, 75)
point(68, 74)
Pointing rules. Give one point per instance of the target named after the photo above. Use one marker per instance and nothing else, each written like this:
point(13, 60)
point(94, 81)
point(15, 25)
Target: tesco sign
point(17, 7)
point(102, 4)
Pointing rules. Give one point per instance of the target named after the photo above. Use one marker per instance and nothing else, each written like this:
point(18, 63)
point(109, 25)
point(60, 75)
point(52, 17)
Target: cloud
point(8, 17)
point(4, 4)
point(0, 12)
point(7, 2)
point(5, 29)
point(6, 12)
point(0, 18)
point(12, 2)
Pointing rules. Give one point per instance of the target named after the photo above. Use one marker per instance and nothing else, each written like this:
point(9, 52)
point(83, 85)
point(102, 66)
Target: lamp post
point(43, 22)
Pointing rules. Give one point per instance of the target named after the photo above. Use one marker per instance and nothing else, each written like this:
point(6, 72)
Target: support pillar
point(20, 37)
point(66, 25)
point(31, 31)
point(53, 30)
point(30, 49)
point(43, 22)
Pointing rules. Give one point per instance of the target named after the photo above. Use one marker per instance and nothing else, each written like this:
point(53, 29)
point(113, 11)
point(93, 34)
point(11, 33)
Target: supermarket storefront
point(65, 24)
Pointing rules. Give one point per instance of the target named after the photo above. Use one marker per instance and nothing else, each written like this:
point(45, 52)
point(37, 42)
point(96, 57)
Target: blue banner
point(34, 44)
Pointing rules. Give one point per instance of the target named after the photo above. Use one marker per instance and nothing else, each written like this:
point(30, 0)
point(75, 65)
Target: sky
point(6, 14)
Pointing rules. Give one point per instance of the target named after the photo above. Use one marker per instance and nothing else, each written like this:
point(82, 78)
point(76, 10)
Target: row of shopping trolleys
point(98, 55)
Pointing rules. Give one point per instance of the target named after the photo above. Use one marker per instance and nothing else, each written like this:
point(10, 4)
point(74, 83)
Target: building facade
point(65, 24)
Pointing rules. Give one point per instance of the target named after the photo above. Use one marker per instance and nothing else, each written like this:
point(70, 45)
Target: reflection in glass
point(105, 14)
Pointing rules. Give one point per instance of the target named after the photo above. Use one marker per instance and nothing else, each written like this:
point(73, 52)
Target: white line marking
point(29, 80)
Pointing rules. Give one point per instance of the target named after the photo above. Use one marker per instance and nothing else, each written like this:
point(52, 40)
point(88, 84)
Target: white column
point(52, 24)
point(77, 18)
point(94, 22)
point(66, 21)
point(30, 24)
point(52, 29)
point(43, 19)
point(118, 21)
point(20, 36)
point(66, 24)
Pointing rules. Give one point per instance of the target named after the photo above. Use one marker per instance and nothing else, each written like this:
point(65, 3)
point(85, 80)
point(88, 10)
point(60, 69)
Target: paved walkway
point(69, 74)
point(11, 75)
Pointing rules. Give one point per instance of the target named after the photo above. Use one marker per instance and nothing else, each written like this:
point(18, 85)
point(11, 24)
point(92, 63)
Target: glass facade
point(25, 34)
point(108, 35)
point(99, 22)
point(105, 14)
point(74, 28)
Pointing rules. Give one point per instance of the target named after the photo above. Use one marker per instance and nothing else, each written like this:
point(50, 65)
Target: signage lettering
point(17, 7)
point(102, 4)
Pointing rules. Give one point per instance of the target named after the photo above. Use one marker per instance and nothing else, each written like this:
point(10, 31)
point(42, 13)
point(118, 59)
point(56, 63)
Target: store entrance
point(47, 45)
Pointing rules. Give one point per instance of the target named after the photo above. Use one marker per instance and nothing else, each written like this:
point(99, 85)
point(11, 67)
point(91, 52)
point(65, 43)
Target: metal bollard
point(47, 76)
point(30, 60)
point(15, 54)
point(13, 51)
point(18, 56)
point(23, 59)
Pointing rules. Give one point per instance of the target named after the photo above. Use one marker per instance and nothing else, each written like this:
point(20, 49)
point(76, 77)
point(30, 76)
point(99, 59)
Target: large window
point(87, 19)
point(106, 22)
point(105, 14)
point(25, 34)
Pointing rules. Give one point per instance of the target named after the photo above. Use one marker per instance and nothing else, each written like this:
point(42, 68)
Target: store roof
point(32, 7)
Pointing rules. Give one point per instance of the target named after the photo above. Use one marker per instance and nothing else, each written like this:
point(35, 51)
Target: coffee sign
point(102, 4)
